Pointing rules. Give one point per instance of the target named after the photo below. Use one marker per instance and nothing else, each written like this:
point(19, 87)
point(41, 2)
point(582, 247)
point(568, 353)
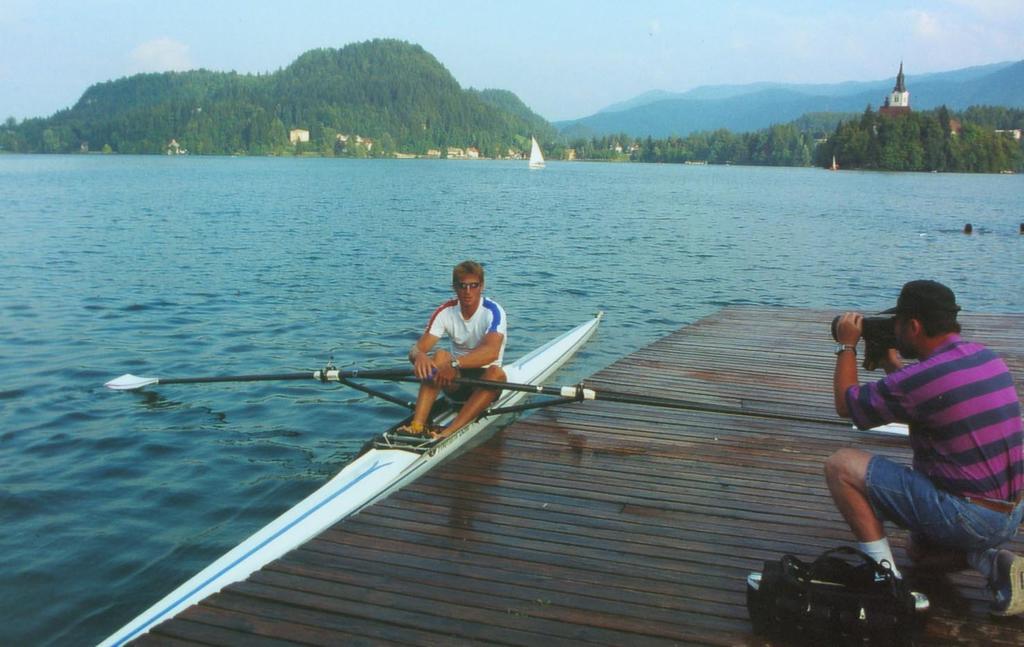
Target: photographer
point(962, 498)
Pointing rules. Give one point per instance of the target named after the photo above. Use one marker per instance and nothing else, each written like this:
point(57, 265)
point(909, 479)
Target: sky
point(565, 59)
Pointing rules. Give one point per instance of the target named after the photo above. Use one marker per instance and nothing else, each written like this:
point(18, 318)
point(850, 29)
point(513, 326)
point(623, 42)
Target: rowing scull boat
point(388, 464)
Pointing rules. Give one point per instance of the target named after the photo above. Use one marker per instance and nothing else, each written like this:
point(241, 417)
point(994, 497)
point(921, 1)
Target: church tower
point(898, 101)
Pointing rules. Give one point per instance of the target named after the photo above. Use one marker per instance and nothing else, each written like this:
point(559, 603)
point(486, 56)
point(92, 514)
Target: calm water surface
point(199, 266)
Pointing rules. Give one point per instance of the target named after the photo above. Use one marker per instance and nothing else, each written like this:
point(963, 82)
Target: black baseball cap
point(924, 297)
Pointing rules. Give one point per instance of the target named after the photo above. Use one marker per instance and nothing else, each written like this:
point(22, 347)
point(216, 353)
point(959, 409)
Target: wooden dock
point(607, 523)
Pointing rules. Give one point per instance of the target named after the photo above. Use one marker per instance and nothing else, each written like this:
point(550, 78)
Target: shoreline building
point(898, 101)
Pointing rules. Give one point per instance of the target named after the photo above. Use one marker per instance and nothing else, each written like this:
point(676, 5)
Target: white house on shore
point(174, 148)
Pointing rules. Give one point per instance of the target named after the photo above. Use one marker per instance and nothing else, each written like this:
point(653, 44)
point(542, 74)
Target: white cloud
point(160, 55)
point(926, 25)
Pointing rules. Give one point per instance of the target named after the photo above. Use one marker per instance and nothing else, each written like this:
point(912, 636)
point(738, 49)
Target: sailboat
point(834, 167)
point(536, 159)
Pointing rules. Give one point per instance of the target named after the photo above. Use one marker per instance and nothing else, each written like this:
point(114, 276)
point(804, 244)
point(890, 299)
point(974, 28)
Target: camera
point(879, 335)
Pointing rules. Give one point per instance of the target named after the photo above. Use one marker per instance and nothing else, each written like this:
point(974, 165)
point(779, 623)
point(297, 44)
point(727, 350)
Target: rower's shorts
point(461, 393)
point(910, 500)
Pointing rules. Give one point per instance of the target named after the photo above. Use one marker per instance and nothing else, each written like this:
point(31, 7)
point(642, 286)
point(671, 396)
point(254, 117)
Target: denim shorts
point(910, 500)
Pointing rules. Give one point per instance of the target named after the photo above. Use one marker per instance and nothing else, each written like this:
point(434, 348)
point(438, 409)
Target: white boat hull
point(371, 477)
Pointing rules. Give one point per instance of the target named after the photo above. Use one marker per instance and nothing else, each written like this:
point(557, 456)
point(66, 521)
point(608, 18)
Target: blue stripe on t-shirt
point(864, 415)
point(874, 404)
point(495, 314)
point(919, 378)
point(998, 449)
point(965, 392)
point(979, 420)
point(892, 400)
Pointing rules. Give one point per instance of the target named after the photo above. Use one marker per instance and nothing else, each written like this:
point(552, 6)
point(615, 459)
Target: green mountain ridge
point(389, 91)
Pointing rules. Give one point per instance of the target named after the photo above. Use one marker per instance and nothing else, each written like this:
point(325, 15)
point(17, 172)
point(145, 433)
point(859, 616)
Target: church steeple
point(900, 87)
point(898, 101)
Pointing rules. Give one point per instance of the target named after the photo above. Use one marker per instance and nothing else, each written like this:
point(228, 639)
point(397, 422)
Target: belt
point(996, 505)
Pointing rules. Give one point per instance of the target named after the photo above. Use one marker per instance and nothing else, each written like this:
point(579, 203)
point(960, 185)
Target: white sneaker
point(1007, 585)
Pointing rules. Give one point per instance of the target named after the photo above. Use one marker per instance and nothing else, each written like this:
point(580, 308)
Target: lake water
point(202, 266)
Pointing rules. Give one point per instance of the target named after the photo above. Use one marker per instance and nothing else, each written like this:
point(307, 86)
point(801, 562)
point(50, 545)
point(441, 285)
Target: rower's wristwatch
point(845, 347)
point(455, 363)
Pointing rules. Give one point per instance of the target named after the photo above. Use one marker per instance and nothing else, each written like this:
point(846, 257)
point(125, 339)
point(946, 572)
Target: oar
point(129, 382)
point(579, 393)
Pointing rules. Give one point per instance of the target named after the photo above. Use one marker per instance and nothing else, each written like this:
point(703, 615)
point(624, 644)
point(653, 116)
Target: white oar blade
point(129, 382)
point(894, 428)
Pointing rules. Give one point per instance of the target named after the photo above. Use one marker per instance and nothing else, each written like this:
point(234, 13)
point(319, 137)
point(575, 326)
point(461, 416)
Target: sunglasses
point(466, 286)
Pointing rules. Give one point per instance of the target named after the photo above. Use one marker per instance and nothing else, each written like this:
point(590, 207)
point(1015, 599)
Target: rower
point(477, 328)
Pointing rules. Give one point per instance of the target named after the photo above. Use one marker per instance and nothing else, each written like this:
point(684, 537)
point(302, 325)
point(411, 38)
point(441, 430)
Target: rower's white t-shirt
point(466, 334)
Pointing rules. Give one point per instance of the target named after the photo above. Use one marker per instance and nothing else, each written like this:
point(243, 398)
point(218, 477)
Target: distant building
point(296, 135)
point(1015, 133)
point(174, 148)
point(898, 101)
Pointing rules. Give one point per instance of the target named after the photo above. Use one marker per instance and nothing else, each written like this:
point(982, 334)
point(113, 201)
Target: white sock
point(983, 561)
point(880, 551)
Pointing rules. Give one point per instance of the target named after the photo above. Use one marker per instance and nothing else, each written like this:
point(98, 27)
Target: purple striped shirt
point(964, 418)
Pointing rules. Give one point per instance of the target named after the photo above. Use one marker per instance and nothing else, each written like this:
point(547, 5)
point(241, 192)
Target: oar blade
point(894, 428)
point(129, 382)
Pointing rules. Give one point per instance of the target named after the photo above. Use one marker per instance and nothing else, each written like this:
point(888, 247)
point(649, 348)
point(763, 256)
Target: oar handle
point(333, 375)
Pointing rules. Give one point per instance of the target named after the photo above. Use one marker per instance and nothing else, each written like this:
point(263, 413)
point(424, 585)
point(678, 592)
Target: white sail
point(536, 159)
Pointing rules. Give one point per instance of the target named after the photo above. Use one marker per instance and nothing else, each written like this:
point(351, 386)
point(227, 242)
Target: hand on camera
point(892, 361)
point(848, 329)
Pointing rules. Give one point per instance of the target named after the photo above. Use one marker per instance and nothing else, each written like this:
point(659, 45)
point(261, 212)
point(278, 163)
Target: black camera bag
point(833, 601)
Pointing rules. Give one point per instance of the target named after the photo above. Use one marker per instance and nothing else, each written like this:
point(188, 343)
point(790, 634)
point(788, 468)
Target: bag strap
point(853, 552)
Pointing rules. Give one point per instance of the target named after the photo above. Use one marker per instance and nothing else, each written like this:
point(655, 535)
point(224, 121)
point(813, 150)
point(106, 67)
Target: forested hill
point(392, 93)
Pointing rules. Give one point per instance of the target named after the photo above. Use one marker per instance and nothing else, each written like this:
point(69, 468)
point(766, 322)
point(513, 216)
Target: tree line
point(934, 140)
point(783, 145)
